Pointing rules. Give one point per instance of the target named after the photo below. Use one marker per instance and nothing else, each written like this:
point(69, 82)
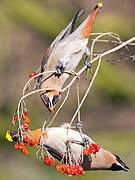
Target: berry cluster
point(25, 118)
point(26, 123)
point(25, 126)
point(22, 147)
point(31, 142)
point(49, 162)
point(70, 170)
point(91, 149)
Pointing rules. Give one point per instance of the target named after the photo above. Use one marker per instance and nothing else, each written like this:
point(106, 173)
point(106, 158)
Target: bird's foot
point(86, 141)
point(59, 71)
point(88, 64)
point(79, 124)
point(87, 54)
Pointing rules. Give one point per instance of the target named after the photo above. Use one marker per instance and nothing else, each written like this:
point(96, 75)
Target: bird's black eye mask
point(55, 100)
point(45, 100)
point(13, 135)
point(48, 102)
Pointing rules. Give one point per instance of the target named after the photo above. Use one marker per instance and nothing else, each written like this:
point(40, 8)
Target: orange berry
point(94, 145)
point(64, 168)
point(26, 152)
point(86, 151)
point(32, 142)
point(16, 146)
point(52, 162)
point(21, 144)
point(27, 120)
point(27, 140)
point(47, 161)
point(59, 167)
point(17, 117)
point(98, 147)
point(74, 170)
point(26, 126)
point(80, 169)
point(32, 74)
point(69, 171)
point(82, 173)
point(24, 114)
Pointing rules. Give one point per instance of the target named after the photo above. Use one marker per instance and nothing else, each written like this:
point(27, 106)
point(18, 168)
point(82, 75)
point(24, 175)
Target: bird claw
point(85, 141)
point(88, 64)
point(59, 71)
point(79, 124)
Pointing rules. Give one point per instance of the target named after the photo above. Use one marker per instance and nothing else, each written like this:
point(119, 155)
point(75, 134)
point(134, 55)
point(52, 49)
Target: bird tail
point(86, 26)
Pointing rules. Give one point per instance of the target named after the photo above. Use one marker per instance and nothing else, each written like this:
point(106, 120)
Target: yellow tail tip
point(100, 4)
point(8, 136)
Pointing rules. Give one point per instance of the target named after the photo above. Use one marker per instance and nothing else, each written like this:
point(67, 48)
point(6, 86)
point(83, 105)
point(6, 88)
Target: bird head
point(11, 136)
point(50, 98)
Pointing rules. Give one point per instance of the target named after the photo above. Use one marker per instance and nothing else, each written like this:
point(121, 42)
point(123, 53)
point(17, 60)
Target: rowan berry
point(24, 115)
point(59, 167)
point(46, 161)
point(32, 74)
point(27, 120)
point(26, 126)
point(52, 162)
point(16, 146)
point(86, 151)
point(27, 139)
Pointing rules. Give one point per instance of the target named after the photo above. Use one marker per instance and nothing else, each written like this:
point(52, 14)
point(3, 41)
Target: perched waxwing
point(55, 140)
point(64, 55)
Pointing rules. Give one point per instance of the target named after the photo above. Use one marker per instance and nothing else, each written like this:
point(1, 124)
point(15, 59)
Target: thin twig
point(96, 58)
point(90, 85)
point(110, 34)
point(111, 41)
point(59, 108)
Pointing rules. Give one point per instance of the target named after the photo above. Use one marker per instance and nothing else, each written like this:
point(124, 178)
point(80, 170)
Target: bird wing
point(64, 33)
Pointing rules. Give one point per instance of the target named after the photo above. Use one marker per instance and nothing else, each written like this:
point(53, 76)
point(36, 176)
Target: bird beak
point(8, 136)
point(50, 99)
point(47, 102)
point(44, 99)
point(51, 109)
point(11, 136)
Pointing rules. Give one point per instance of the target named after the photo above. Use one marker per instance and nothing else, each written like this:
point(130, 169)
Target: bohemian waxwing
point(55, 141)
point(63, 55)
